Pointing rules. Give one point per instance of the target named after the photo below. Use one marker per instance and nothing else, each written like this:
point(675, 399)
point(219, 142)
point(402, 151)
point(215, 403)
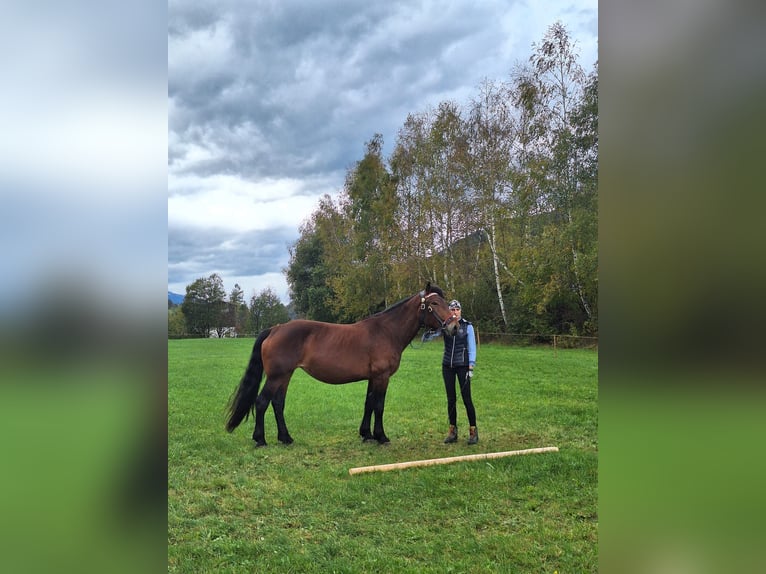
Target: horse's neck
point(406, 321)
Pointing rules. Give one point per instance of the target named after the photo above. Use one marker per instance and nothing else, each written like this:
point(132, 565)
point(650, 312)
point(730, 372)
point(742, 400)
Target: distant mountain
point(175, 298)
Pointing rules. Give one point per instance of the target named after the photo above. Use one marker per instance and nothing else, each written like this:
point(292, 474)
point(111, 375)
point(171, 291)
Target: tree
point(450, 207)
point(363, 259)
point(309, 271)
point(561, 80)
point(429, 166)
point(205, 309)
point(237, 308)
point(176, 322)
point(266, 310)
point(491, 143)
point(584, 227)
point(414, 243)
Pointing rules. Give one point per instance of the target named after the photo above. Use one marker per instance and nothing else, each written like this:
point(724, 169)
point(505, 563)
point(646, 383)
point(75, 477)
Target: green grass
point(234, 508)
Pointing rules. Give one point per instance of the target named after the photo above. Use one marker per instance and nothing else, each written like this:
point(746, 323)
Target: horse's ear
point(428, 287)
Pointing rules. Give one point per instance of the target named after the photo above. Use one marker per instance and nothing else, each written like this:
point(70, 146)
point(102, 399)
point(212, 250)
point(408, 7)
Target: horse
point(370, 350)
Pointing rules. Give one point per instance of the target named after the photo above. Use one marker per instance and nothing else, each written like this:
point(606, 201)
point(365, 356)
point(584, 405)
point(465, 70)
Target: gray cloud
point(193, 251)
point(294, 86)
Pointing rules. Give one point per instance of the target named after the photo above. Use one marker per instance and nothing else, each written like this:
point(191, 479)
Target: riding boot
point(452, 436)
point(473, 437)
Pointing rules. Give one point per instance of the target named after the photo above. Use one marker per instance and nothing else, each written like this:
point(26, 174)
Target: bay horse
point(370, 350)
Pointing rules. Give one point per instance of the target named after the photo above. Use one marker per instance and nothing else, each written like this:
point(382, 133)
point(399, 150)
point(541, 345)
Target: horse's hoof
point(259, 443)
point(286, 441)
point(384, 440)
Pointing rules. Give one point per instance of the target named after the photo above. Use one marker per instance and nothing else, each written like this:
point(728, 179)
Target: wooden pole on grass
point(448, 460)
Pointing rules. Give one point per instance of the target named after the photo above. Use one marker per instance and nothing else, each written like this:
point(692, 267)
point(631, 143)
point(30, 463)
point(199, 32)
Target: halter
point(424, 306)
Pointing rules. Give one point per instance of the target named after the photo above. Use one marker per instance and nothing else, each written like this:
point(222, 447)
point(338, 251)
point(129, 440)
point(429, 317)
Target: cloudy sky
point(270, 103)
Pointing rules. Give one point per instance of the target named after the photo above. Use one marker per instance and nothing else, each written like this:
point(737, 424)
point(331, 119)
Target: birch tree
point(491, 139)
point(552, 90)
point(407, 171)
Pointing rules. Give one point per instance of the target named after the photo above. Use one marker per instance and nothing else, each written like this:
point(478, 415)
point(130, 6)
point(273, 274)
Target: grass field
point(234, 508)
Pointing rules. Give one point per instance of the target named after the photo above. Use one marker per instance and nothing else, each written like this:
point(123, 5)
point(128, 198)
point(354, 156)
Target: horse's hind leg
point(278, 402)
point(261, 404)
point(268, 395)
point(273, 392)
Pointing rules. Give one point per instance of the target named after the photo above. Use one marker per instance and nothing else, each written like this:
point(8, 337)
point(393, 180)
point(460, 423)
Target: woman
point(458, 363)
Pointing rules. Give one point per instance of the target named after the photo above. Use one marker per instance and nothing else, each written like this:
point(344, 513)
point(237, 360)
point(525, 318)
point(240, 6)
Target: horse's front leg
point(369, 402)
point(378, 405)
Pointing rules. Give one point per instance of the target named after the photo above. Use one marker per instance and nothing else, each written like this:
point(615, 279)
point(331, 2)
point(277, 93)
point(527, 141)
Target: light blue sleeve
point(471, 346)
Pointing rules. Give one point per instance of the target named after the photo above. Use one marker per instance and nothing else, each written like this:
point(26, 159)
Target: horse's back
point(333, 353)
point(319, 334)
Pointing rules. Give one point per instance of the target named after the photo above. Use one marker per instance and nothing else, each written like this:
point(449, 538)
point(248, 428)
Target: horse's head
point(434, 310)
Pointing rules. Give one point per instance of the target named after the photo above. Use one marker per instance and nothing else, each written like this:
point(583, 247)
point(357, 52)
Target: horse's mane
point(392, 307)
point(433, 289)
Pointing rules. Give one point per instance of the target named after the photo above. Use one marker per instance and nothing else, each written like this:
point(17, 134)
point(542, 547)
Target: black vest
point(456, 348)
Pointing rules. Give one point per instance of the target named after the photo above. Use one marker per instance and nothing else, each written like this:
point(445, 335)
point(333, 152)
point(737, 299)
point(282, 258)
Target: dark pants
point(461, 373)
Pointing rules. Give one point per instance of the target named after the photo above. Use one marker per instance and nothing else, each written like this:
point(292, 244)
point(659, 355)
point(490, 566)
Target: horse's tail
point(243, 400)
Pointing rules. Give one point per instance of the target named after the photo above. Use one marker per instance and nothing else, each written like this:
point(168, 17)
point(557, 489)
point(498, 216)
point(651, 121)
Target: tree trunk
point(578, 283)
point(495, 258)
